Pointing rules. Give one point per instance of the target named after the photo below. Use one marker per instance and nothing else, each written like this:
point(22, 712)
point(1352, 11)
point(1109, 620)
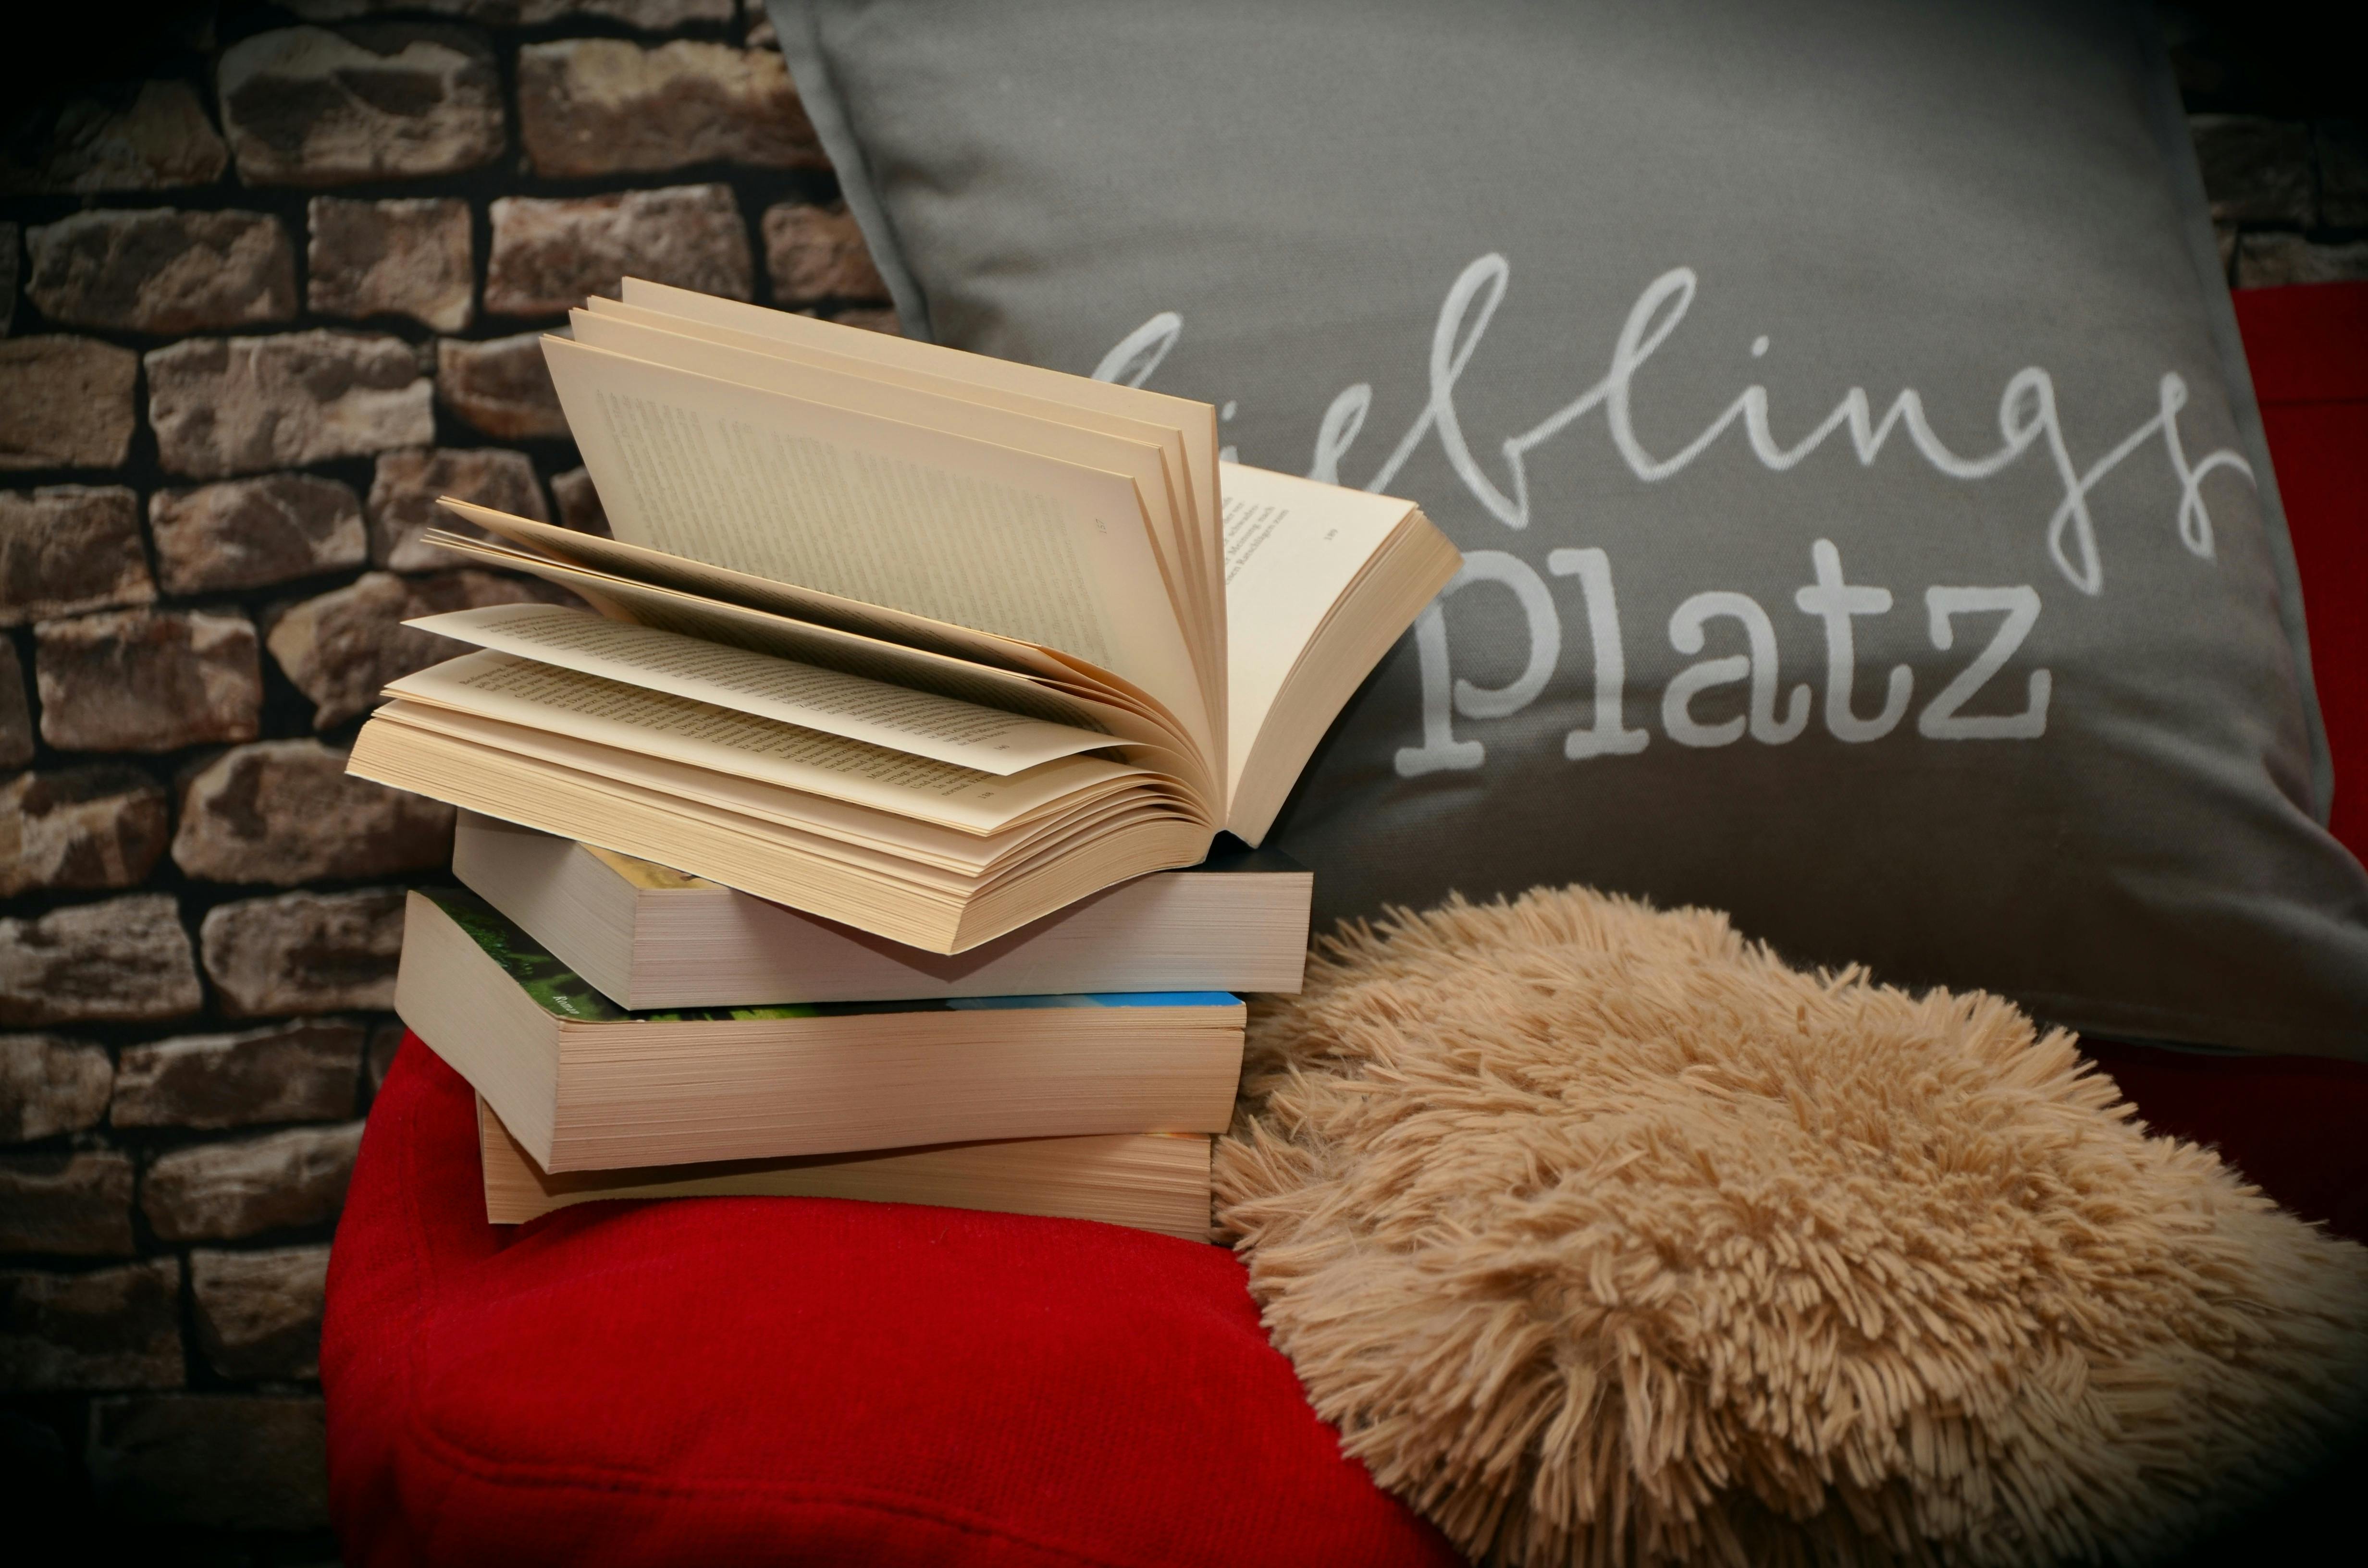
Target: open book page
point(870, 508)
point(683, 575)
point(886, 843)
point(1292, 546)
point(1084, 404)
point(520, 692)
point(872, 711)
point(876, 843)
point(932, 401)
point(1195, 422)
point(1150, 739)
point(786, 637)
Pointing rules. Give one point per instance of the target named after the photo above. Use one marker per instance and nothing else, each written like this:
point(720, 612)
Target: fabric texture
point(2308, 346)
point(1605, 1237)
point(675, 1385)
point(773, 1381)
point(1866, 522)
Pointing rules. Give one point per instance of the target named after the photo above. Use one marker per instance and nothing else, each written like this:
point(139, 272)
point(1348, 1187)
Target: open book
point(919, 641)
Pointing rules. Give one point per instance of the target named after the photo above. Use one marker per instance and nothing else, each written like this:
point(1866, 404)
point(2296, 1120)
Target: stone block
point(2265, 261)
point(230, 1461)
point(2255, 170)
point(226, 405)
point(259, 1313)
point(882, 320)
point(49, 1084)
point(245, 1187)
point(304, 952)
point(119, 960)
point(650, 16)
point(2341, 149)
point(101, 826)
point(305, 1071)
point(340, 648)
point(404, 489)
point(16, 714)
point(159, 270)
point(548, 256)
point(154, 138)
point(112, 1328)
point(65, 549)
point(249, 533)
point(65, 402)
point(606, 105)
point(287, 812)
point(7, 277)
point(305, 106)
point(817, 253)
point(75, 1205)
point(409, 258)
point(41, 1491)
point(147, 680)
point(579, 503)
point(502, 386)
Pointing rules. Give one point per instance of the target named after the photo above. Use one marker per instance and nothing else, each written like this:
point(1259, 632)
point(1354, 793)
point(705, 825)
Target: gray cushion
point(1945, 653)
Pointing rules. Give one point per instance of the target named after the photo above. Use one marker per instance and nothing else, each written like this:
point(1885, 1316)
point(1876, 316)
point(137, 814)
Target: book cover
point(564, 994)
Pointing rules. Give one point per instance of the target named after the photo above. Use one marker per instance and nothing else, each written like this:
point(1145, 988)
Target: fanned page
point(1029, 425)
point(973, 841)
point(1084, 406)
point(630, 583)
point(895, 717)
point(787, 637)
point(634, 719)
point(1166, 422)
point(683, 575)
point(873, 509)
point(1194, 423)
point(892, 843)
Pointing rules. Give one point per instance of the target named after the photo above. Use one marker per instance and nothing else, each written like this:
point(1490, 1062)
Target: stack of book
point(858, 841)
point(624, 1028)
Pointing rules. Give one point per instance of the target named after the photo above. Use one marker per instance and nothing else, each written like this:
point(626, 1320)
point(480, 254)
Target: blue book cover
point(564, 994)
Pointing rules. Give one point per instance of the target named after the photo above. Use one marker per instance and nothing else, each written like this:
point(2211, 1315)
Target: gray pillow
point(1868, 524)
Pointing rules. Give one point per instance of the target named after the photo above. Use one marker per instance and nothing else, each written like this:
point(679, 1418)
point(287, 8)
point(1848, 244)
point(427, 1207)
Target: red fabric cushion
point(2308, 347)
point(745, 1380)
point(2293, 1123)
point(772, 1380)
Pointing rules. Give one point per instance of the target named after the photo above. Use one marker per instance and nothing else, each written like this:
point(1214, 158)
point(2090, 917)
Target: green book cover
point(561, 991)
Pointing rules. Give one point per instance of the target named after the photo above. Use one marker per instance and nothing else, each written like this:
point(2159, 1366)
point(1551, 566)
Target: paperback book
point(585, 1084)
point(1152, 1181)
point(646, 935)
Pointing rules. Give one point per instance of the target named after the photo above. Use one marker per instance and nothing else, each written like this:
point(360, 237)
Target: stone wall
point(260, 302)
point(2274, 105)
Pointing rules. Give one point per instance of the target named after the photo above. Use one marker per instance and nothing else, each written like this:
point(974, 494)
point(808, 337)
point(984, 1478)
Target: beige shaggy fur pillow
point(1603, 1237)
